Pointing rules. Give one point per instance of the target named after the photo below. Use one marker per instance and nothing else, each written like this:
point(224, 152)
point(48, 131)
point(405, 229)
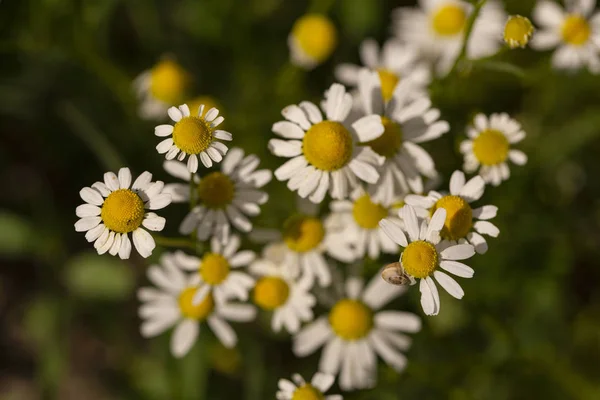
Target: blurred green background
point(528, 327)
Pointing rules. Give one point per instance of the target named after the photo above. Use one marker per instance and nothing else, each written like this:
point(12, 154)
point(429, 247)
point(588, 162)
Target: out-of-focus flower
point(517, 31)
point(208, 102)
point(299, 389)
point(312, 40)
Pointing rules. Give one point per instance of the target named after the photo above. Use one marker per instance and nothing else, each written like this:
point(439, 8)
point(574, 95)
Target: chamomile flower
point(219, 270)
point(424, 254)
point(324, 153)
point(489, 147)
point(282, 293)
point(517, 31)
point(114, 208)
point(171, 303)
point(575, 31)
point(362, 214)
point(355, 331)
point(299, 389)
point(194, 136)
point(408, 120)
point(459, 226)
point(161, 87)
point(312, 40)
point(224, 197)
point(437, 29)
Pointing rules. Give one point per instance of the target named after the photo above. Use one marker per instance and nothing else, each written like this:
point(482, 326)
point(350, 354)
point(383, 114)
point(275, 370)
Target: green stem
point(174, 242)
point(470, 22)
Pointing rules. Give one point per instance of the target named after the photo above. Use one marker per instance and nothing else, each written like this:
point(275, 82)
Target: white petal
point(159, 201)
point(223, 331)
point(398, 321)
point(458, 252)
point(296, 114)
point(111, 180)
point(288, 130)
point(125, 250)
point(223, 135)
point(411, 223)
point(87, 210)
point(211, 114)
point(457, 268)
point(394, 231)
point(192, 164)
point(143, 241)
point(184, 336)
point(485, 212)
point(449, 284)
point(517, 157)
point(163, 130)
point(457, 181)
point(473, 190)
point(312, 111)
point(435, 225)
point(430, 300)
point(153, 222)
point(124, 178)
point(548, 14)
point(486, 228)
point(332, 357)
point(174, 113)
point(285, 148)
point(91, 196)
point(478, 241)
point(87, 223)
point(142, 181)
point(368, 128)
point(322, 381)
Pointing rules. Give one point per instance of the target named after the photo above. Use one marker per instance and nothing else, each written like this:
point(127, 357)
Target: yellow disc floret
point(491, 147)
point(390, 141)
point(419, 259)
point(307, 392)
point(367, 214)
point(316, 36)
point(575, 30)
point(271, 292)
point(388, 81)
point(517, 31)
point(327, 145)
point(198, 312)
point(214, 268)
point(122, 211)
point(216, 190)
point(192, 135)
point(168, 82)
point(351, 319)
point(449, 20)
point(208, 102)
point(459, 217)
point(302, 233)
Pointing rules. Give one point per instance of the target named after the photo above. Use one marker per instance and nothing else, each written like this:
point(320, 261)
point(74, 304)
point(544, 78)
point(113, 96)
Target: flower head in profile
point(312, 40)
point(488, 147)
point(115, 208)
point(517, 31)
point(424, 255)
point(573, 31)
point(299, 389)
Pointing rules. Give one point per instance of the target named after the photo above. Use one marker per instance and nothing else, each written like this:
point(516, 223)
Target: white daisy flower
point(113, 210)
point(459, 226)
point(280, 292)
point(161, 87)
point(355, 331)
point(219, 270)
point(361, 216)
point(408, 120)
point(193, 135)
point(312, 40)
point(299, 389)
point(437, 28)
point(489, 147)
point(324, 153)
point(575, 31)
point(170, 303)
point(424, 254)
point(223, 197)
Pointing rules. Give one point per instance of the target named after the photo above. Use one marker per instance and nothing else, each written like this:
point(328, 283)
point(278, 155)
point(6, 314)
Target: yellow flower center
point(208, 102)
point(302, 233)
point(307, 392)
point(122, 211)
point(199, 312)
point(351, 319)
point(168, 82)
point(420, 259)
point(491, 147)
point(315, 34)
point(517, 31)
point(390, 141)
point(216, 190)
point(368, 214)
point(271, 292)
point(459, 217)
point(388, 80)
point(192, 135)
point(214, 268)
point(575, 30)
point(327, 145)
point(449, 20)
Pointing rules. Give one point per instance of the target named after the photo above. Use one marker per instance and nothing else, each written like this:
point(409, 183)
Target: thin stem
point(470, 22)
point(174, 242)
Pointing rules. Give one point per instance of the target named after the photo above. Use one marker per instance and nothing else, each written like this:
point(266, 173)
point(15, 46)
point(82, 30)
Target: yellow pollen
point(168, 82)
point(192, 135)
point(122, 211)
point(459, 217)
point(517, 31)
point(420, 259)
point(327, 145)
point(491, 147)
point(575, 30)
point(271, 292)
point(449, 20)
point(390, 141)
point(216, 190)
point(307, 392)
point(368, 214)
point(214, 268)
point(198, 312)
point(302, 233)
point(351, 319)
point(195, 103)
point(388, 80)
point(315, 34)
